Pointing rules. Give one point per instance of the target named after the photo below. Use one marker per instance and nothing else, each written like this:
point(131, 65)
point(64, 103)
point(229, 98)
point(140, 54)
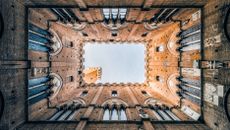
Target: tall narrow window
point(157, 115)
point(123, 114)
point(67, 114)
point(84, 93)
point(114, 114)
point(114, 94)
point(123, 13)
point(164, 114)
point(38, 89)
point(172, 115)
point(106, 13)
point(114, 14)
point(56, 115)
point(72, 115)
point(106, 114)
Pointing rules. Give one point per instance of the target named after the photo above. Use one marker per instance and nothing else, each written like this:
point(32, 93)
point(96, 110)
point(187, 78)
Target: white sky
point(119, 62)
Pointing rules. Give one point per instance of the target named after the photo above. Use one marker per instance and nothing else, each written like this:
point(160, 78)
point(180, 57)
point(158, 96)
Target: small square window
point(144, 34)
point(84, 93)
point(145, 93)
point(69, 79)
point(70, 44)
point(114, 34)
point(160, 79)
point(114, 94)
point(160, 48)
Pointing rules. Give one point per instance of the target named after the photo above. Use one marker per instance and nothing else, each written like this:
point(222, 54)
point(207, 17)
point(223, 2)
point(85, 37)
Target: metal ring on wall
point(1, 25)
point(226, 109)
point(226, 31)
point(1, 104)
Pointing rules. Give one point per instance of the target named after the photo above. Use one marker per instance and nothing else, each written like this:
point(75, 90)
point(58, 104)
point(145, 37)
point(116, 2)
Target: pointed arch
point(114, 109)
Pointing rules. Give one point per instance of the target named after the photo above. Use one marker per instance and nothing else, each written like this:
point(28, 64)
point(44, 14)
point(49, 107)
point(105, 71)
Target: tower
point(92, 74)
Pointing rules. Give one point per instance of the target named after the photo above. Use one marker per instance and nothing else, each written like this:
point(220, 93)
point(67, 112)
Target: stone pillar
point(81, 125)
point(132, 96)
point(88, 112)
point(148, 125)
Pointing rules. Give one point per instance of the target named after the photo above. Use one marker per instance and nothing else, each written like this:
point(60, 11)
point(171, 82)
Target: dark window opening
point(69, 44)
point(160, 79)
point(144, 34)
point(114, 34)
point(70, 79)
point(114, 93)
point(84, 34)
point(84, 93)
point(144, 93)
point(160, 48)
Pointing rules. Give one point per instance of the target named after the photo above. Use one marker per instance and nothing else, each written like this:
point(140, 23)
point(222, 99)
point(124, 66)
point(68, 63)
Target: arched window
point(43, 87)
point(64, 114)
point(164, 114)
point(115, 113)
point(160, 112)
point(43, 40)
point(106, 114)
point(38, 38)
point(123, 116)
point(67, 111)
point(114, 14)
point(38, 89)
